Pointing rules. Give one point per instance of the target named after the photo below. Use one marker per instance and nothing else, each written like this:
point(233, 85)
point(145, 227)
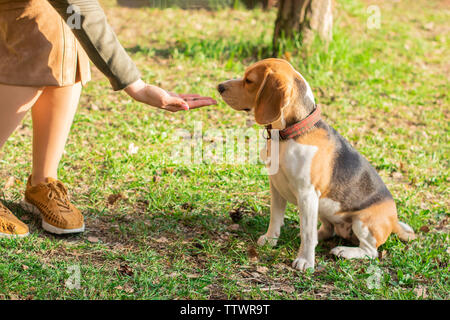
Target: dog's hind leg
point(372, 226)
point(277, 209)
point(367, 244)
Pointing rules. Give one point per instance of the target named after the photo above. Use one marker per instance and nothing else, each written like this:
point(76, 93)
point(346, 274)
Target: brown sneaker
point(50, 200)
point(10, 226)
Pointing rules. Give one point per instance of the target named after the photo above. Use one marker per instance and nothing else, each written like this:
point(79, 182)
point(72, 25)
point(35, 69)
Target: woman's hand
point(157, 97)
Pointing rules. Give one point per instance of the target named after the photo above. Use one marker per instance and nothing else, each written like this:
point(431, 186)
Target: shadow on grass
point(132, 229)
point(195, 4)
point(218, 49)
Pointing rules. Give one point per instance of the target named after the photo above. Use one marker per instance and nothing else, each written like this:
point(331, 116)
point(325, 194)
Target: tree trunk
point(306, 17)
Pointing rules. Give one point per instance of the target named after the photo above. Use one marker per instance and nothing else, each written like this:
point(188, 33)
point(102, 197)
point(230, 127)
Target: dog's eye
point(248, 81)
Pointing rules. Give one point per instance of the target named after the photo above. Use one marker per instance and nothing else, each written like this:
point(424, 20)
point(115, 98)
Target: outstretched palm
point(195, 100)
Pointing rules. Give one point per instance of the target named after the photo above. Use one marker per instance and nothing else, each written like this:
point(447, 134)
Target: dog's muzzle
point(221, 88)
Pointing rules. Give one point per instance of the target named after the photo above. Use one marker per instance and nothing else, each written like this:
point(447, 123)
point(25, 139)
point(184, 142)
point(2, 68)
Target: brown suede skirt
point(37, 48)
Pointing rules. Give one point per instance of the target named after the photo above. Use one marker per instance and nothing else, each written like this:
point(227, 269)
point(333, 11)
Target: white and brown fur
point(319, 171)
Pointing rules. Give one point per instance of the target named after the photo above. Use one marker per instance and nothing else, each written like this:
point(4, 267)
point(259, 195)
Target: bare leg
point(277, 208)
point(15, 101)
point(53, 114)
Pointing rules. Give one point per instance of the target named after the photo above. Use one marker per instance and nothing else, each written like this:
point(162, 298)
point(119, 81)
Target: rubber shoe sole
point(11, 236)
point(46, 226)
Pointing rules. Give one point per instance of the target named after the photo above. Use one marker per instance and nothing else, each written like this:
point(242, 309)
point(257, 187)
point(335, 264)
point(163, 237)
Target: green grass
point(169, 236)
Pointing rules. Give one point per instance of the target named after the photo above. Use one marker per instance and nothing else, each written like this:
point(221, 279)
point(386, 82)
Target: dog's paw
point(303, 264)
point(353, 253)
point(265, 239)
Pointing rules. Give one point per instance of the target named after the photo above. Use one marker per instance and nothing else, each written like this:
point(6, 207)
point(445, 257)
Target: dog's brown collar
point(298, 128)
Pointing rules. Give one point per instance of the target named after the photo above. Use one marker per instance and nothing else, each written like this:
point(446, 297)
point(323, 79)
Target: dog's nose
point(221, 88)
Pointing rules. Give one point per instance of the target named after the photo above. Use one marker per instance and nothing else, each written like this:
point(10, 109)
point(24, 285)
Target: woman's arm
point(108, 55)
point(99, 41)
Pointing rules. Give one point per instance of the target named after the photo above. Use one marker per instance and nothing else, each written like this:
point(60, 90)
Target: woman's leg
point(52, 114)
point(15, 101)
point(52, 117)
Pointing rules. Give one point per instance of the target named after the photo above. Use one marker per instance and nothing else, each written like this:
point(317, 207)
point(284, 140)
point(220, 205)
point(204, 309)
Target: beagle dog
point(319, 171)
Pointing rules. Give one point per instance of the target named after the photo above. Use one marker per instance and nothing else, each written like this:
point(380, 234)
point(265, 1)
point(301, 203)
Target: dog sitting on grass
point(319, 171)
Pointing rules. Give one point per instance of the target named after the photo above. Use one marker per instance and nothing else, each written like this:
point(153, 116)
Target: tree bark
point(307, 17)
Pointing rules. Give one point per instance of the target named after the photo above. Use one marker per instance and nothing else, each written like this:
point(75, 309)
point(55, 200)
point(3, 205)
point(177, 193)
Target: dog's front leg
point(308, 203)
point(277, 209)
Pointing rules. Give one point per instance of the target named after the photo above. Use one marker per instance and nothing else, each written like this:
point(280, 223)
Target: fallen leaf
point(262, 269)
point(162, 240)
point(424, 229)
point(93, 239)
point(94, 107)
point(397, 175)
point(429, 26)
point(253, 254)
point(125, 270)
point(25, 267)
point(9, 183)
point(287, 288)
point(280, 266)
point(114, 197)
point(234, 227)
point(421, 292)
point(129, 289)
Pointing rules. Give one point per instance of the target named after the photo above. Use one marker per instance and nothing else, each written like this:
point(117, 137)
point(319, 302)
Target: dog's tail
point(404, 231)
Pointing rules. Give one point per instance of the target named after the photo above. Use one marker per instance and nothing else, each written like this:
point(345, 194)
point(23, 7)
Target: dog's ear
point(304, 99)
point(270, 98)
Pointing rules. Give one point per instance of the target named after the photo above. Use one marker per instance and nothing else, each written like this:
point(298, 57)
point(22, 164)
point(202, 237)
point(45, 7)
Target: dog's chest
point(293, 178)
point(293, 174)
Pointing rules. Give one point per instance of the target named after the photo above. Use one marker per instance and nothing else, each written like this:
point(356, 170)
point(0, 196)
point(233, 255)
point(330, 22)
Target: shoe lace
point(58, 193)
point(3, 209)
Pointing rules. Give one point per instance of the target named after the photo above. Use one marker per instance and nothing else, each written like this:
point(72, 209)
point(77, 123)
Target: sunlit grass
point(385, 90)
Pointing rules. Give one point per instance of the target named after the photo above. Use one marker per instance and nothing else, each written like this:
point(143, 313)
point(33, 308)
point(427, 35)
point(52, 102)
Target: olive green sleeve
point(98, 40)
